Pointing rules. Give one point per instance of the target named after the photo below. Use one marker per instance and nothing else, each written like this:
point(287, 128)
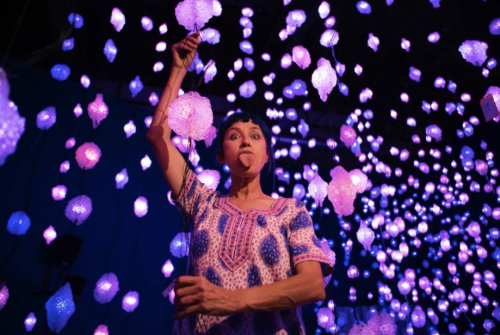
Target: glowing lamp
point(299, 191)
point(296, 18)
point(18, 223)
point(303, 128)
point(70, 143)
point(78, 209)
point(101, 330)
point(76, 20)
point(474, 52)
point(317, 188)
point(60, 72)
point(130, 301)
point(365, 236)
point(121, 179)
point(190, 115)
point(106, 288)
point(359, 179)
point(129, 128)
point(117, 19)
point(404, 286)
point(145, 163)
point(87, 155)
point(59, 192)
point(98, 110)
point(418, 317)
point(341, 191)
point(326, 319)
point(247, 89)
point(301, 56)
point(329, 38)
point(324, 9)
point(64, 167)
point(110, 50)
point(324, 78)
point(433, 131)
point(68, 44)
point(211, 35)
point(78, 110)
point(179, 246)
point(147, 23)
point(347, 135)
point(141, 206)
point(135, 86)
point(295, 151)
point(60, 307)
point(364, 7)
point(210, 178)
point(194, 14)
point(4, 295)
point(373, 42)
point(49, 234)
point(30, 322)
point(11, 124)
point(495, 26)
point(46, 118)
point(167, 268)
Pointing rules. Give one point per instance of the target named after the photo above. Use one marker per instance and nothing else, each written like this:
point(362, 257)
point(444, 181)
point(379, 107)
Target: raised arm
point(171, 161)
point(198, 295)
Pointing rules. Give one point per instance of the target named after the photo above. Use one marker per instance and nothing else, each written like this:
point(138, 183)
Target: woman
point(254, 260)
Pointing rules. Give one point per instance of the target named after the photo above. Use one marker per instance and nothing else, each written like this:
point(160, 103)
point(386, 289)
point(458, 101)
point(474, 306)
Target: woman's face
point(244, 149)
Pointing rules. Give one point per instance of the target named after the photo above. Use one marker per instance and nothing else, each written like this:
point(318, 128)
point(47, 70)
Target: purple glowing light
point(341, 191)
point(106, 288)
point(129, 128)
point(60, 72)
point(146, 23)
point(194, 14)
point(121, 179)
point(167, 268)
point(59, 192)
point(4, 295)
point(130, 301)
point(324, 78)
point(101, 330)
point(46, 118)
point(30, 322)
point(135, 86)
point(117, 19)
point(190, 115)
point(301, 57)
point(49, 234)
point(179, 246)
point(141, 206)
point(110, 50)
point(60, 307)
point(97, 110)
point(474, 52)
point(78, 209)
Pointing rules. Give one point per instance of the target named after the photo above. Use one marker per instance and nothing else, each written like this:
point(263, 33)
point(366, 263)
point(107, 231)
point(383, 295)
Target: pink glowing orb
point(129, 128)
point(4, 295)
point(49, 234)
point(130, 301)
point(167, 268)
point(78, 110)
point(190, 115)
point(87, 155)
point(78, 209)
point(106, 288)
point(101, 330)
point(145, 163)
point(141, 206)
point(121, 179)
point(70, 143)
point(64, 167)
point(347, 135)
point(117, 19)
point(382, 323)
point(210, 178)
point(324, 78)
point(359, 179)
point(317, 188)
point(30, 322)
point(59, 192)
point(326, 318)
point(341, 191)
point(301, 56)
point(194, 14)
point(365, 236)
point(98, 110)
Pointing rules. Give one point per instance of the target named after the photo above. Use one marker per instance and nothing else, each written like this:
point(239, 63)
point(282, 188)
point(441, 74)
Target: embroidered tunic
point(238, 249)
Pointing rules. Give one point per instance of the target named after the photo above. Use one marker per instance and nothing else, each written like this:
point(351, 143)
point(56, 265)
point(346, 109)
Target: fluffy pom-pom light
point(46, 118)
point(11, 124)
point(382, 324)
point(341, 191)
point(194, 14)
point(190, 115)
point(106, 288)
point(474, 52)
point(318, 189)
point(87, 155)
point(79, 209)
point(179, 246)
point(18, 223)
point(359, 179)
point(130, 301)
point(4, 295)
point(210, 178)
point(301, 56)
point(59, 308)
point(98, 110)
point(347, 135)
point(324, 78)
point(30, 322)
point(326, 319)
point(365, 235)
point(101, 330)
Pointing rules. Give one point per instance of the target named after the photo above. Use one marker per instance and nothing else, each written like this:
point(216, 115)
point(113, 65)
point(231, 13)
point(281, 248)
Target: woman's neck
point(245, 188)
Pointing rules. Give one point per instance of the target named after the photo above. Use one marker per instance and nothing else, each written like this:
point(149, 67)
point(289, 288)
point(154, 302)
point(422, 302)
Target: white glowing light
point(30, 322)
point(97, 110)
point(324, 78)
point(59, 192)
point(210, 178)
point(46, 118)
point(190, 115)
point(49, 234)
point(167, 268)
point(121, 179)
point(130, 301)
point(117, 19)
point(129, 128)
point(474, 52)
point(141, 206)
point(147, 23)
point(301, 56)
point(194, 14)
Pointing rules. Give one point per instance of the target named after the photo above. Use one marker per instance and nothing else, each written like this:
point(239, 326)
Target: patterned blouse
point(238, 249)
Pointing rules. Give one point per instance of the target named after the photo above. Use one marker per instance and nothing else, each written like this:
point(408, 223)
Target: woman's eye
point(233, 136)
point(256, 136)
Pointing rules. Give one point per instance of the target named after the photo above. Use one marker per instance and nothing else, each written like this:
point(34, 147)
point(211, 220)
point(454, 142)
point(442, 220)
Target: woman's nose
point(245, 141)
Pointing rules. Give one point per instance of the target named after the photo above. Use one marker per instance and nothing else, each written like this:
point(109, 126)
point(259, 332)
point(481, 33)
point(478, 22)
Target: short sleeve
point(194, 196)
point(303, 242)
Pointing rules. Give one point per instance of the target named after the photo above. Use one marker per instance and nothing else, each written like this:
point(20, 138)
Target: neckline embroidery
point(235, 245)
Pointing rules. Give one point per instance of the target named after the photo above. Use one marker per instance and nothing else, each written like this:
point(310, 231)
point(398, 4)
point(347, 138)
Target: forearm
point(292, 292)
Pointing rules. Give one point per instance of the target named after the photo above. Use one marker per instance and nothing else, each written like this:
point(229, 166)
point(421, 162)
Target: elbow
point(317, 290)
point(154, 134)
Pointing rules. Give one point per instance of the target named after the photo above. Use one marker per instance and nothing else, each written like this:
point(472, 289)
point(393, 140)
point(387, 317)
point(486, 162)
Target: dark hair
point(257, 120)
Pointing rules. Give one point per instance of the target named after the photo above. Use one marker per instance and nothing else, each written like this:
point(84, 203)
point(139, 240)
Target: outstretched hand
point(184, 51)
point(195, 294)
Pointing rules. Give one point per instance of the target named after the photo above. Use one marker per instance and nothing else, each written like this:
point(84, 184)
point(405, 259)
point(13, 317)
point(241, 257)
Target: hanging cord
point(14, 35)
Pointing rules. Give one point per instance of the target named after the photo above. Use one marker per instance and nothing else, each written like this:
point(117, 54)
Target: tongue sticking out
point(246, 159)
